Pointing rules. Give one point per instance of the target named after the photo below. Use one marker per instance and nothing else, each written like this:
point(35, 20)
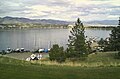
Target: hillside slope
point(15, 69)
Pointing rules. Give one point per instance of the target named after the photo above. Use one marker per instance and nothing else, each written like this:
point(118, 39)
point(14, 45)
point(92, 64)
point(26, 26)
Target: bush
point(117, 55)
point(3, 52)
point(57, 54)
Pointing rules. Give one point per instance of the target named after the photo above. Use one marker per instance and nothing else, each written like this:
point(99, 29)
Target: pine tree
point(115, 38)
point(77, 47)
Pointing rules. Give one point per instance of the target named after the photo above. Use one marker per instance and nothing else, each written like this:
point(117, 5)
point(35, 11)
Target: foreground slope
point(19, 69)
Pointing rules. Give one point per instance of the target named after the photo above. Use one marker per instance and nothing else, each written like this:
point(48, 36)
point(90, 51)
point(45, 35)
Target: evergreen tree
point(101, 42)
point(57, 54)
point(77, 47)
point(115, 38)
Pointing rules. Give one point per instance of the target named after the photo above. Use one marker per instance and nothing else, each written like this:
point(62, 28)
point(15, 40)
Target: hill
point(14, 20)
point(17, 69)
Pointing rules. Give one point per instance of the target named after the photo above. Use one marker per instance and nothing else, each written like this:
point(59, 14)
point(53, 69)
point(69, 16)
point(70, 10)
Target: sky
point(67, 10)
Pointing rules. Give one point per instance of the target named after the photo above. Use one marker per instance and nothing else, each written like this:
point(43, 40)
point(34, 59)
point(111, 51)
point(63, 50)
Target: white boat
point(40, 50)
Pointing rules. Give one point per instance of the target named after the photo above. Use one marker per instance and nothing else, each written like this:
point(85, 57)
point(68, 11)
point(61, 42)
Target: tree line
point(79, 48)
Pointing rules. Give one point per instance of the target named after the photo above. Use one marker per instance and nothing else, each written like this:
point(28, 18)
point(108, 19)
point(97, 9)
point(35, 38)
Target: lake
point(42, 37)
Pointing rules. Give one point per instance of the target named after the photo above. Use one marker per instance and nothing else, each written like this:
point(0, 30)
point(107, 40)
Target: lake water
point(41, 38)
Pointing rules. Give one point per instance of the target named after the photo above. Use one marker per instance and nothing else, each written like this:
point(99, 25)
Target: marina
point(33, 39)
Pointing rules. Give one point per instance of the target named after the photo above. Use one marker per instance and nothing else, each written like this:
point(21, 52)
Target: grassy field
point(100, 59)
point(19, 69)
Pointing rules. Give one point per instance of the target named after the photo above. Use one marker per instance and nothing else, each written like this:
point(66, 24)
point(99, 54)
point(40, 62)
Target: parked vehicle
point(9, 50)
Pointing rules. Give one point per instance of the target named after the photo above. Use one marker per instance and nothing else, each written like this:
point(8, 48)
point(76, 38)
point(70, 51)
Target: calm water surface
point(41, 38)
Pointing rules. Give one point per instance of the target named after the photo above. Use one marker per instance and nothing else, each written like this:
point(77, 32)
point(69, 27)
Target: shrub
point(117, 55)
point(57, 54)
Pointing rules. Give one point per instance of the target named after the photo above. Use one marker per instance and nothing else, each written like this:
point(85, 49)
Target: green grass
point(101, 59)
point(57, 72)
point(18, 69)
point(31, 71)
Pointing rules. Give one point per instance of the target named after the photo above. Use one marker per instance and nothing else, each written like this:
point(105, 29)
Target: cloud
point(11, 8)
point(61, 9)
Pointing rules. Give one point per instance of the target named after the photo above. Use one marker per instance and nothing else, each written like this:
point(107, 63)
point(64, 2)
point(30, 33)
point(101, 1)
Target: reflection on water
point(98, 32)
point(41, 38)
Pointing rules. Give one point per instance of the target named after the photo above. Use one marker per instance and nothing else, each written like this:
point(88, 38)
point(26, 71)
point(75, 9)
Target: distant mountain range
point(103, 22)
point(13, 20)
